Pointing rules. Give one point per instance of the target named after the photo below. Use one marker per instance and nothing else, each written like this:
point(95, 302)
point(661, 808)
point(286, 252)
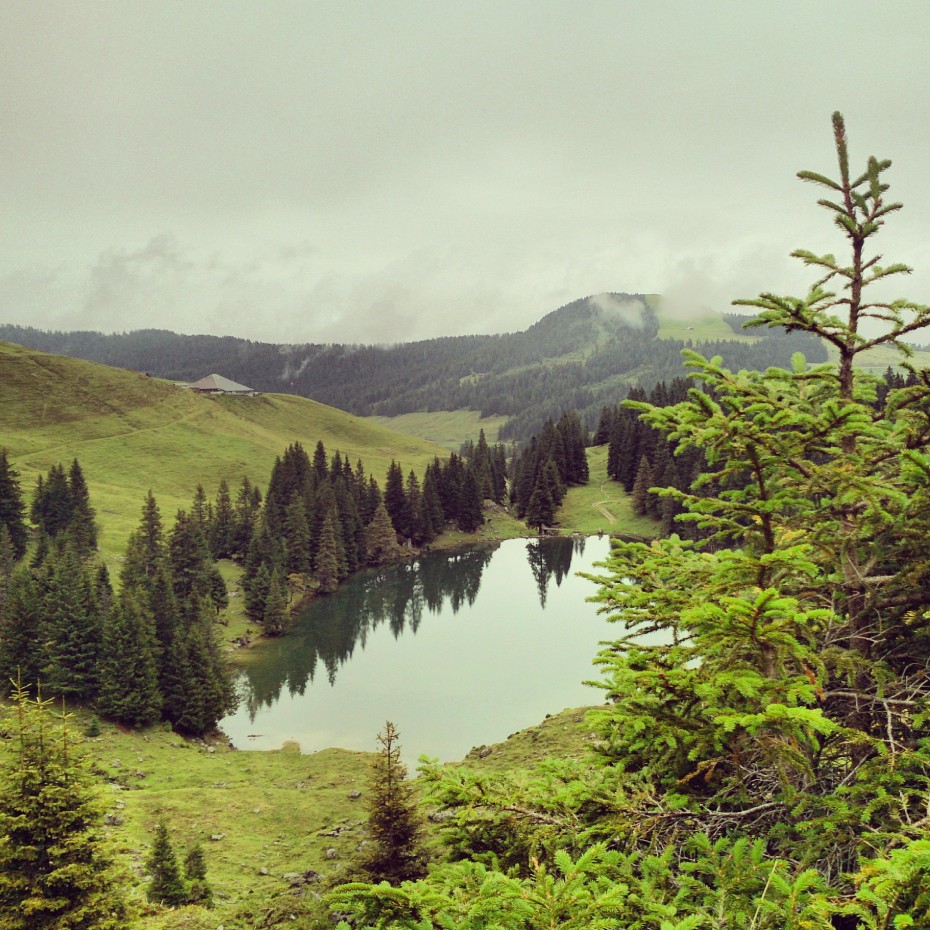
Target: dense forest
point(322, 520)
point(577, 358)
point(148, 651)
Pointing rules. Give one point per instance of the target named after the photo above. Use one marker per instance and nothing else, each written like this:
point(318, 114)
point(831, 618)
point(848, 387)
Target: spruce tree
point(274, 612)
point(433, 514)
point(395, 500)
point(470, 509)
point(380, 538)
point(51, 504)
point(221, 528)
point(192, 568)
point(22, 654)
point(56, 870)
point(82, 525)
point(129, 687)
point(166, 885)
point(395, 852)
point(641, 486)
point(12, 508)
point(195, 871)
point(783, 701)
point(72, 628)
point(208, 692)
point(540, 511)
point(146, 551)
point(330, 566)
point(297, 537)
point(245, 518)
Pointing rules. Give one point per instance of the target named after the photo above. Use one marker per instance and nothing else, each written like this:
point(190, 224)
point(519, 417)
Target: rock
point(211, 748)
point(296, 879)
point(216, 837)
point(331, 853)
point(484, 753)
point(113, 820)
point(263, 871)
point(354, 795)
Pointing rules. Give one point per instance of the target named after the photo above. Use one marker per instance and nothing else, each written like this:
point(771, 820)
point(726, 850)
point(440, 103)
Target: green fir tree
point(129, 687)
point(12, 508)
point(56, 870)
point(195, 871)
point(166, 885)
point(395, 852)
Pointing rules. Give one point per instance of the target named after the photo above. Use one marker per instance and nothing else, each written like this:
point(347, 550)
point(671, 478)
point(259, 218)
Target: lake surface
point(457, 649)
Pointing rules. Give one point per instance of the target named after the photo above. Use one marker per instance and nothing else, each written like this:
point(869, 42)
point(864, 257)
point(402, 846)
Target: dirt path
point(131, 431)
point(601, 509)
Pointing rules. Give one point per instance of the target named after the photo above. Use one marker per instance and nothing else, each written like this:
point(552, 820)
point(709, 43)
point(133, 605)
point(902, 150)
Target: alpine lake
point(457, 648)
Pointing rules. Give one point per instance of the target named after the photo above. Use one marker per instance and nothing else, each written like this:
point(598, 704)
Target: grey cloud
point(401, 170)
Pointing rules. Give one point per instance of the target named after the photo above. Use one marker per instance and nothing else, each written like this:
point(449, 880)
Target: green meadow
point(448, 428)
point(602, 506)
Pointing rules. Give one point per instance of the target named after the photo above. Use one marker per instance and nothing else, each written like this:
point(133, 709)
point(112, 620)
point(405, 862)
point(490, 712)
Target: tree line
point(543, 471)
point(323, 519)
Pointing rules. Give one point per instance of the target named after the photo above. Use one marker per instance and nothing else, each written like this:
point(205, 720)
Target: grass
point(602, 506)
point(278, 811)
point(882, 357)
point(707, 328)
point(259, 816)
point(562, 735)
point(448, 428)
point(132, 433)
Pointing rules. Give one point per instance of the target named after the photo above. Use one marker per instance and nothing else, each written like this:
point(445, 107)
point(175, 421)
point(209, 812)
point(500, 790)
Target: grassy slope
point(878, 359)
point(132, 433)
point(448, 428)
point(273, 813)
point(602, 506)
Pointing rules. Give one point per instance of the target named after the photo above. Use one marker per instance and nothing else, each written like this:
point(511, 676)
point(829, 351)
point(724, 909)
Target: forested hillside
point(579, 357)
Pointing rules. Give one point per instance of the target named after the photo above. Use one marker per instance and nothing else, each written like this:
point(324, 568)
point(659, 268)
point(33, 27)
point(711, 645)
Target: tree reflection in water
point(327, 631)
point(552, 558)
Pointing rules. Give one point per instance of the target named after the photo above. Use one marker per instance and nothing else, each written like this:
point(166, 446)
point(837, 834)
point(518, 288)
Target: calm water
point(457, 649)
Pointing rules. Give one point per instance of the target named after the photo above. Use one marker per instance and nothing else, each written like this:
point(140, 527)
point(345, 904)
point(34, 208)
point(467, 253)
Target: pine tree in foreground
point(395, 851)
point(55, 870)
point(764, 762)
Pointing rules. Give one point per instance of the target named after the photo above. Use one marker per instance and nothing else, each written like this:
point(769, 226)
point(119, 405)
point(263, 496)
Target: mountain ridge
point(581, 356)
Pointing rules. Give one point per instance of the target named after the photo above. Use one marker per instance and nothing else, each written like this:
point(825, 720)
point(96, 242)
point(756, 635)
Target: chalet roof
point(219, 383)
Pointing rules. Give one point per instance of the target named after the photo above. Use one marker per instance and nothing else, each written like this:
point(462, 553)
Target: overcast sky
point(386, 171)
